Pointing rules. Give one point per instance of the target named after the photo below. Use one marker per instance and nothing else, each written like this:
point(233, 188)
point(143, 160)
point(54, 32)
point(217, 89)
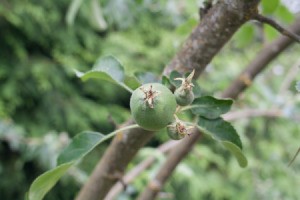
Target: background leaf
point(46, 181)
point(82, 144)
point(298, 86)
point(210, 107)
point(268, 7)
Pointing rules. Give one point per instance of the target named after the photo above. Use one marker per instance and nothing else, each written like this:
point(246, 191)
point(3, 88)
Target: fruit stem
point(188, 107)
point(106, 137)
point(126, 87)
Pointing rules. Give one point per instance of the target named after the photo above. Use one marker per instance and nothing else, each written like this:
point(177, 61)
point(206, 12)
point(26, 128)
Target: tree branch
point(137, 170)
point(176, 155)
point(183, 148)
point(277, 26)
point(215, 29)
point(247, 113)
point(262, 59)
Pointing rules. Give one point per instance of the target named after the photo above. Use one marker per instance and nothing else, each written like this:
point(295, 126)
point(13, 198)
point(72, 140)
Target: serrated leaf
point(109, 69)
point(298, 86)
point(81, 144)
point(236, 151)
point(46, 181)
point(268, 7)
point(210, 107)
point(111, 66)
point(224, 132)
point(146, 77)
point(220, 130)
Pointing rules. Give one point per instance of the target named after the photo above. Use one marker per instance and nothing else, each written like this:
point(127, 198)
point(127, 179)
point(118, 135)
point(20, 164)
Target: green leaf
point(146, 77)
point(236, 151)
point(210, 107)
point(165, 81)
point(270, 33)
point(174, 74)
point(81, 145)
point(244, 35)
point(196, 89)
point(46, 181)
point(109, 69)
point(72, 11)
point(268, 7)
point(224, 132)
point(111, 66)
point(220, 130)
point(187, 26)
point(132, 82)
point(284, 14)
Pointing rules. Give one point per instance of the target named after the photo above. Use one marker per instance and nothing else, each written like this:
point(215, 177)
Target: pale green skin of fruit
point(184, 97)
point(173, 133)
point(162, 113)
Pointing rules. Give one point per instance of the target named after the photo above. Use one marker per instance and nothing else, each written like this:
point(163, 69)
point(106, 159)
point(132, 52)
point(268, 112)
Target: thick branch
point(183, 148)
point(215, 29)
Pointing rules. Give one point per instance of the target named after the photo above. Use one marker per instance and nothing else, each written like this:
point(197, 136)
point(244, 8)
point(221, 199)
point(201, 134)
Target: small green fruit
point(152, 106)
point(184, 94)
point(173, 132)
point(184, 97)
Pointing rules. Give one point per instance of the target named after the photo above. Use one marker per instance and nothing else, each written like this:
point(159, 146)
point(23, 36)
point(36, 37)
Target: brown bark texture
point(215, 29)
point(265, 56)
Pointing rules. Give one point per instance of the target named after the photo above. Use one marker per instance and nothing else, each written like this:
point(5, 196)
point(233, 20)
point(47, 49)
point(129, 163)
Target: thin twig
point(290, 76)
point(137, 170)
point(277, 26)
point(247, 113)
point(295, 156)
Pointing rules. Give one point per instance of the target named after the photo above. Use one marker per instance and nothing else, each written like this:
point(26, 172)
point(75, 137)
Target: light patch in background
point(292, 5)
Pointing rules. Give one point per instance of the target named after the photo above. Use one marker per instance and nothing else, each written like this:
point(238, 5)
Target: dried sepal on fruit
point(178, 129)
point(184, 94)
point(152, 106)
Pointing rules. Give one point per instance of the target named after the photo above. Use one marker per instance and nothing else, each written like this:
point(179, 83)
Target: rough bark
point(265, 56)
point(215, 29)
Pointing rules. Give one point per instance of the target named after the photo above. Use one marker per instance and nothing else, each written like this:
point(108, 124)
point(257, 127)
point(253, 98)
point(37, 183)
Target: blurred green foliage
point(43, 103)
